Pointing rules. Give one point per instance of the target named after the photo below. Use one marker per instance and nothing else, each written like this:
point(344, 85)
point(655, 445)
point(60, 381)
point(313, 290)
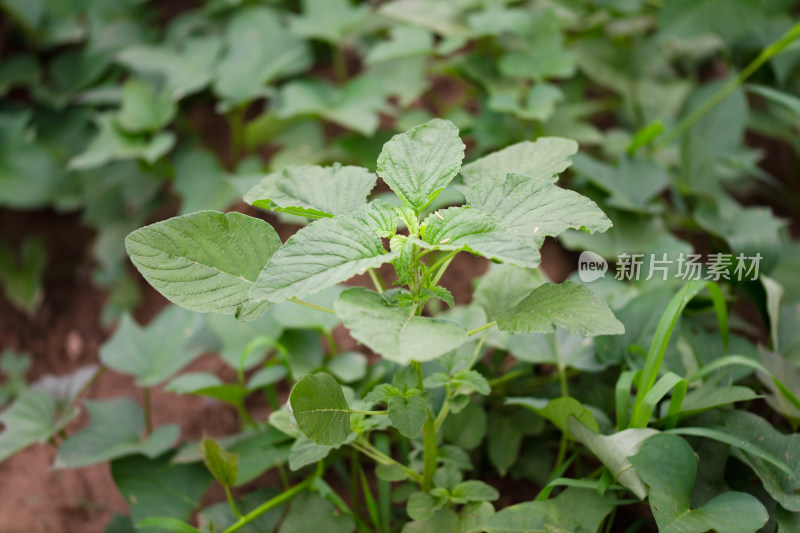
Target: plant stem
point(362, 445)
point(483, 327)
point(339, 64)
point(148, 418)
point(376, 280)
point(313, 306)
point(231, 502)
point(430, 452)
point(277, 500)
point(95, 376)
point(766, 54)
point(384, 412)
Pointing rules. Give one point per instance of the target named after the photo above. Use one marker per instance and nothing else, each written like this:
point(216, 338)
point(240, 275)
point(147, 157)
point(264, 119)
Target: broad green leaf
point(390, 472)
point(392, 332)
point(542, 53)
point(783, 488)
point(305, 353)
point(116, 430)
point(33, 417)
point(305, 452)
point(329, 20)
point(153, 353)
point(710, 395)
point(408, 415)
point(462, 228)
point(442, 520)
point(348, 366)
point(559, 347)
point(111, 143)
point(575, 510)
point(314, 192)
point(558, 411)
point(422, 506)
point(310, 512)
point(614, 450)
point(325, 252)
point(542, 159)
point(419, 163)
point(503, 287)
point(202, 183)
point(354, 106)
point(569, 305)
point(467, 428)
point(21, 277)
point(156, 488)
point(209, 385)
point(185, 67)
point(631, 184)
point(143, 109)
point(535, 208)
point(205, 261)
point(405, 41)
point(237, 338)
point(667, 464)
point(259, 49)
point(320, 409)
point(505, 439)
point(381, 216)
point(473, 491)
point(292, 316)
point(222, 464)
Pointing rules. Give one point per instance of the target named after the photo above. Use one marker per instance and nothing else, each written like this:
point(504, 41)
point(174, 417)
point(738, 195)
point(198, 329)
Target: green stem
point(384, 412)
point(766, 54)
point(231, 502)
point(276, 501)
point(376, 280)
point(362, 445)
point(483, 327)
point(92, 380)
point(440, 266)
point(313, 306)
point(236, 124)
point(430, 452)
point(148, 418)
point(339, 64)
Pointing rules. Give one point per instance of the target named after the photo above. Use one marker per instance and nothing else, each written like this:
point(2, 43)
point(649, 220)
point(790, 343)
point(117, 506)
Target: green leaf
point(186, 67)
point(171, 524)
point(390, 472)
point(575, 510)
point(614, 450)
point(632, 183)
point(348, 366)
point(205, 261)
point(419, 163)
point(710, 395)
point(305, 350)
point(785, 489)
point(405, 41)
point(442, 520)
point(222, 464)
point(381, 216)
point(313, 192)
point(221, 516)
point(558, 411)
point(115, 431)
point(259, 50)
point(559, 347)
point(667, 464)
point(505, 440)
point(236, 337)
point(569, 305)
point(152, 354)
point(329, 20)
point(473, 491)
point(319, 407)
point(462, 228)
point(113, 144)
point(421, 506)
point(321, 254)
point(467, 428)
point(202, 183)
point(408, 415)
point(392, 332)
point(503, 287)
point(542, 159)
point(156, 488)
point(31, 418)
point(21, 280)
point(309, 512)
point(143, 109)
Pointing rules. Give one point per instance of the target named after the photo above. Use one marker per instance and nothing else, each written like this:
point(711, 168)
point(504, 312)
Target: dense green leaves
point(394, 333)
point(569, 305)
point(206, 261)
point(419, 163)
point(319, 408)
point(314, 192)
point(667, 465)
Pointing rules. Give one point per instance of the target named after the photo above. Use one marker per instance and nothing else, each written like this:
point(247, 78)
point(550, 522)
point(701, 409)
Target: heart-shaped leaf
point(320, 409)
point(542, 159)
point(408, 415)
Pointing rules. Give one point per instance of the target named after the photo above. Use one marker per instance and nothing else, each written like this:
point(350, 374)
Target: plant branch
point(231, 502)
point(483, 327)
point(313, 306)
point(375, 276)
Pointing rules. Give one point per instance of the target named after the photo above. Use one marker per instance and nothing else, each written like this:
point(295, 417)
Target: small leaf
point(205, 261)
point(143, 109)
point(348, 366)
point(390, 472)
point(171, 524)
point(310, 512)
point(31, 418)
point(569, 305)
point(392, 332)
point(558, 411)
point(408, 415)
point(505, 440)
point(419, 163)
point(421, 506)
point(667, 464)
point(542, 159)
point(323, 253)
point(320, 409)
point(503, 287)
point(222, 464)
point(467, 428)
point(473, 491)
point(313, 192)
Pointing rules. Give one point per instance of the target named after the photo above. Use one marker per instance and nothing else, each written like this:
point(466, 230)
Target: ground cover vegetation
point(401, 137)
